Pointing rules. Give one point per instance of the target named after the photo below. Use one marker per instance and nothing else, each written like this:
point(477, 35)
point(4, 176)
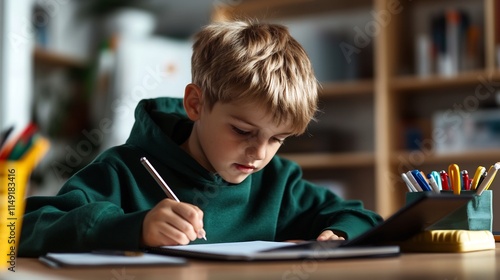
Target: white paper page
point(90, 259)
point(232, 248)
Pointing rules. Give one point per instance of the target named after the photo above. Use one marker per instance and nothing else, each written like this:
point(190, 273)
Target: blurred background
point(405, 84)
point(78, 69)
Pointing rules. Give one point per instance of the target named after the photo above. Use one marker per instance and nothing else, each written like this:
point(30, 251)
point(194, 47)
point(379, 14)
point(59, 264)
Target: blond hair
point(249, 61)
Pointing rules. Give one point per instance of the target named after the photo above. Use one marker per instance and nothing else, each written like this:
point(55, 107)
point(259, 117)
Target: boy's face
point(236, 140)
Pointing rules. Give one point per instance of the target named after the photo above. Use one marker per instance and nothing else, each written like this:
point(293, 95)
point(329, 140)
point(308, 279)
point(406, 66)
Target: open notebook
point(408, 221)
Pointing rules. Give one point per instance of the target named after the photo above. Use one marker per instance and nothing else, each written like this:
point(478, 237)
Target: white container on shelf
point(457, 133)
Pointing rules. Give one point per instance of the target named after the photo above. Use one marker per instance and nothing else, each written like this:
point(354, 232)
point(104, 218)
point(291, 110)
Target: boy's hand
point(329, 235)
point(172, 223)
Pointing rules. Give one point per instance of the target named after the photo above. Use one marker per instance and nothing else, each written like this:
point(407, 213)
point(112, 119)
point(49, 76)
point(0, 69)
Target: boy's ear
point(193, 101)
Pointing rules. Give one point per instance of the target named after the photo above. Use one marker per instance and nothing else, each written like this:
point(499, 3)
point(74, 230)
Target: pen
point(444, 180)
point(145, 162)
point(413, 181)
point(489, 178)
point(4, 135)
point(465, 180)
point(409, 185)
point(437, 179)
point(421, 180)
point(433, 183)
point(477, 176)
point(482, 178)
point(455, 180)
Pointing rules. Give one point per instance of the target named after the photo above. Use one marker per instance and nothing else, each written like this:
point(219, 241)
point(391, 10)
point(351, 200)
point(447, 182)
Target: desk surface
point(451, 266)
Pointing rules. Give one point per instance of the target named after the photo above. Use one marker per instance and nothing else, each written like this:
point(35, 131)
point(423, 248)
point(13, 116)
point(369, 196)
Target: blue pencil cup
point(477, 214)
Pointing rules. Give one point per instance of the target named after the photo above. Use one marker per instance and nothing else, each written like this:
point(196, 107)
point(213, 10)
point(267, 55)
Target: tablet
point(412, 219)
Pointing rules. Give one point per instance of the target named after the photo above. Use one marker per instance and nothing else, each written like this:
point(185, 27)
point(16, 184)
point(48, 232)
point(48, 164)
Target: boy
point(253, 86)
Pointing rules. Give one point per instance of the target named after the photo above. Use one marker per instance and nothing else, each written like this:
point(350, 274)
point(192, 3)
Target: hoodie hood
point(160, 127)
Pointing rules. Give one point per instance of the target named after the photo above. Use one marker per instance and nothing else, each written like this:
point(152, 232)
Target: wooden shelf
point(291, 8)
point(413, 83)
point(486, 155)
point(46, 57)
point(332, 160)
point(361, 87)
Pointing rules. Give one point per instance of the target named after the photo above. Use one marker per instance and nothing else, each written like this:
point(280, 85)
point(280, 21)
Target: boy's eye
point(280, 141)
point(239, 131)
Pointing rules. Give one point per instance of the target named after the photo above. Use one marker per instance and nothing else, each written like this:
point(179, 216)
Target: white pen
point(168, 191)
point(413, 181)
point(433, 184)
point(409, 185)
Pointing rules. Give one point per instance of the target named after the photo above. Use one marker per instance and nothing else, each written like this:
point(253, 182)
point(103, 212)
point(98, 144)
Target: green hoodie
point(104, 204)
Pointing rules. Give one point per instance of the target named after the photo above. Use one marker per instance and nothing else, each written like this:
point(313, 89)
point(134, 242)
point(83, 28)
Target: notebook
point(380, 241)
point(98, 259)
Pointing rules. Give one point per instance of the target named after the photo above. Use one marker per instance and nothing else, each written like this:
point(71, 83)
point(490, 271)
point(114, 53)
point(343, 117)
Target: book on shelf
point(452, 45)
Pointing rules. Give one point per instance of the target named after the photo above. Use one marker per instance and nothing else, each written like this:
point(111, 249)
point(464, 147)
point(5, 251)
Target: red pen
point(466, 180)
point(445, 184)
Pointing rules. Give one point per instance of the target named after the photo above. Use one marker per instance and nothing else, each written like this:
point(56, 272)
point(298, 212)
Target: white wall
point(15, 63)
point(1, 60)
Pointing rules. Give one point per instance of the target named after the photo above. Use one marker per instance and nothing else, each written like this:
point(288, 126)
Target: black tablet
point(412, 219)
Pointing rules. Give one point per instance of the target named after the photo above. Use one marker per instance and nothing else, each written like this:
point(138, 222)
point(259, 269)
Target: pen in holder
point(477, 214)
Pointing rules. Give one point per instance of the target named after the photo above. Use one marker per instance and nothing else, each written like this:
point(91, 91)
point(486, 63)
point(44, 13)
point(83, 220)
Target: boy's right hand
point(172, 223)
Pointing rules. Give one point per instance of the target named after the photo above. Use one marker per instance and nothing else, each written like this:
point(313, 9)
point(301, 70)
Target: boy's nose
point(257, 151)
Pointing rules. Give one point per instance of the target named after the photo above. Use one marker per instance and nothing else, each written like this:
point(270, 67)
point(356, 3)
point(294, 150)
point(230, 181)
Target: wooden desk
point(443, 266)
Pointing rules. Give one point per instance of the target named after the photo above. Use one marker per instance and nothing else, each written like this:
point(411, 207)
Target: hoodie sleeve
point(309, 209)
point(84, 216)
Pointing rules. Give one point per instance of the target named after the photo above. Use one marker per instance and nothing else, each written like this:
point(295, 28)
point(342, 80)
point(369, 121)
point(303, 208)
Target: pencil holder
point(14, 180)
point(477, 214)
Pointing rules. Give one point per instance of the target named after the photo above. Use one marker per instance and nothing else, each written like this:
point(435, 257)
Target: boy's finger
point(176, 235)
point(191, 214)
point(325, 235)
point(329, 235)
point(179, 228)
point(202, 234)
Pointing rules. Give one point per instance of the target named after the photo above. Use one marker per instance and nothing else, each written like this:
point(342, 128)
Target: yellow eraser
point(449, 241)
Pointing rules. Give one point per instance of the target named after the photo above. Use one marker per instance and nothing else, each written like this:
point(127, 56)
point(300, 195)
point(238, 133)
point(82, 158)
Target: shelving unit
point(60, 109)
point(59, 83)
point(392, 94)
point(332, 160)
point(49, 58)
